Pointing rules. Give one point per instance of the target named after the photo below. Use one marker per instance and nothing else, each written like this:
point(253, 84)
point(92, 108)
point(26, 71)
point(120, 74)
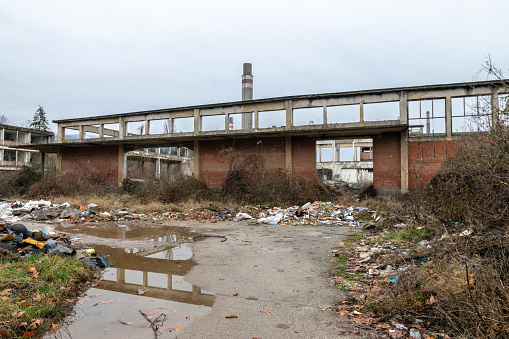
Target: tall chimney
point(247, 82)
point(247, 94)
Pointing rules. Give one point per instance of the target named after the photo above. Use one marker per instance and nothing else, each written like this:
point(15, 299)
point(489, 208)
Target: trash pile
point(17, 239)
point(317, 214)
point(45, 210)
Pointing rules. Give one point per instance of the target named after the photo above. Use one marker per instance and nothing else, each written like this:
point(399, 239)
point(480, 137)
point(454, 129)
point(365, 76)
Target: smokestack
point(247, 94)
point(247, 82)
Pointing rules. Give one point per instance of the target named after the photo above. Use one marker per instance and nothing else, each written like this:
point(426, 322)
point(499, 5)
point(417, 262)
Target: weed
point(409, 234)
point(36, 292)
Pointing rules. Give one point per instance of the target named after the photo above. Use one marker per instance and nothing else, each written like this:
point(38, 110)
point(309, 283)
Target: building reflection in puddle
point(149, 281)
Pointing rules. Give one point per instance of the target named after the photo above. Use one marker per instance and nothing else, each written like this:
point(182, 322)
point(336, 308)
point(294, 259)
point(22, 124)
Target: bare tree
point(4, 120)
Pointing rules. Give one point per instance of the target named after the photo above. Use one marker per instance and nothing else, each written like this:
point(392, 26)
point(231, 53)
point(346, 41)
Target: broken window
point(343, 114)
point(426, 117)
point(183, 125)
point(308, 116)
point(380, 111)
point(272, 119)
point(212, 123)
point(111, 130)
point(470, 114)
point(9, 155)
point(159, 126)
point(135, 128)
point(235, 121)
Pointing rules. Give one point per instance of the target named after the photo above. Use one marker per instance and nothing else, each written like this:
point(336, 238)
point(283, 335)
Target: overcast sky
point(87, 58)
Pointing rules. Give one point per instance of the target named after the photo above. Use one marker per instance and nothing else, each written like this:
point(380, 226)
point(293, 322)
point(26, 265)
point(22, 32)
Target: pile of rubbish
point(45, 210)
point(317, 213)
point(18, 240)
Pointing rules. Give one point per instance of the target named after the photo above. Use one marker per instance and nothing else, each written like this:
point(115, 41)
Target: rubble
point(317, 214)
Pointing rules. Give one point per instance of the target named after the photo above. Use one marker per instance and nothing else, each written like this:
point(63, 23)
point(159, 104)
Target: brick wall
point(100, 162)
point(425, 159)
point(387, 162)
point(214, 155)
point(304, 157)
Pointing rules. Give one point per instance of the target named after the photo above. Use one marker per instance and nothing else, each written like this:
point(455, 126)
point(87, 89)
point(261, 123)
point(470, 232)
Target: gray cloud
point(84, 58)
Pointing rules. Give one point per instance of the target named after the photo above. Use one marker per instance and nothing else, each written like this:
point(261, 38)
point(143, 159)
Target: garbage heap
point(21, 242)
point(318, 213)
point(44, 210)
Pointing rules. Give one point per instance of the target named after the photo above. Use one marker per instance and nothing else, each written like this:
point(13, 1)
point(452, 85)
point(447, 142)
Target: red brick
point(425, 159)
point(387, 162)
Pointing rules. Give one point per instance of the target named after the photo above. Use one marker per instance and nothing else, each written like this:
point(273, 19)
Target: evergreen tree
point(40, 122)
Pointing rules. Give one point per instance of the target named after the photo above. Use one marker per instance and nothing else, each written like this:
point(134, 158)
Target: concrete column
point(121, 166)
point(404, 161)
point(197, 122)
point(324, 114)
point(28, 138)
point(288, 153)
point(101, 131)
point(361, 111)
point(61, 133)
point(196, 160)
point(289, 114)
point(448, 117)
point(403, 108)
point(147, 126)
point(226, 122)
point(257, 121)
point(81, 130)
point(121, 128)
point(333, 150)
point(145, 278)
point(170, 126)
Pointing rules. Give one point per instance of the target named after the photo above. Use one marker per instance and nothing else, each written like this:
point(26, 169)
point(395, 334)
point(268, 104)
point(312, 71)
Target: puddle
point(145, 281)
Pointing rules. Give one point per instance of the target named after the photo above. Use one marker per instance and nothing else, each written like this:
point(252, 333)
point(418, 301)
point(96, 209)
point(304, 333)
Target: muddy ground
point(267, 281)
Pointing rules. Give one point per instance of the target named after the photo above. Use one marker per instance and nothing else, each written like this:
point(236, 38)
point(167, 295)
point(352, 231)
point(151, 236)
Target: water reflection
point(138, 278)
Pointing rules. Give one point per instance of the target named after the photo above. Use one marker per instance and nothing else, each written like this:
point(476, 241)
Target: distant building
point(348, 160)
point(12, 158)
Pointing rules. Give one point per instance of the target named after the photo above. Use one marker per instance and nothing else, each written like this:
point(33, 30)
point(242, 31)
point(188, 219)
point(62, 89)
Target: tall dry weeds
point(463, 288)
point(249, 180)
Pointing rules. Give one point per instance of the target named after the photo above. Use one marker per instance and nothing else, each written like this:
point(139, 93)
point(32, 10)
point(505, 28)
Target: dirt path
point(269, 281)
